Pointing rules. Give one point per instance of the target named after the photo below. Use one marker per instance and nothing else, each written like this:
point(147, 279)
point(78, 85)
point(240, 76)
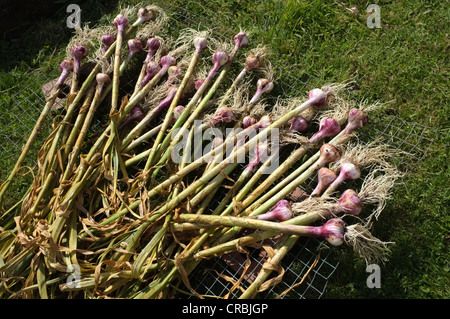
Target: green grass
point(404, 62)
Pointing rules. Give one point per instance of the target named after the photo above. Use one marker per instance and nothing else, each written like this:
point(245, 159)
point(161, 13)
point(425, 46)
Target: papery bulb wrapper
point(102, 78)
point(333, 231)
point(350, 170)
point(262, 86)
point(328, 154)
point(200, 44)
point(349, 203)
point(107, 41)
point(319, 95)
point(120, 22)
point(356, 119)
point(224, 114)
point(252, 62)
point(327, 127)
point(134, 46)
point(219, 58)
point(240, 40)
point(281, 212)
point(177, 111)
point(248, 121)
point(145, 15)
point(263, 122)
point(298, 124)
point(325, 177)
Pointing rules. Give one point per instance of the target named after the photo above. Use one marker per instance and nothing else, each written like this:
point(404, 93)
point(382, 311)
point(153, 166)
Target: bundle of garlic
point(186, 159)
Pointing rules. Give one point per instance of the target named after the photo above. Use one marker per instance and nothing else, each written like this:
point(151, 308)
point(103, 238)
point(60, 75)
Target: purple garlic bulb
point(152, 69)
point(166, 62)
point(66, 67)
point(102, 79)
point(262, 86)
point(349, 203)
point(199, 83)
point(327, 127)
point(356, 119)
point(240, 40)
point(348, 171)
point(219, 58)
point(298, 124)
point(333, 231)
point(136, 114)
point(224, 114)
point(260, 151)
point(281, 212)
point(145, 15)
point(200, 44)
point(176, 114)
point(318, 96)
point(177, 111)
point(328, 154)
point(167, 100)
point(79, 52)
point(252, 62)
point(107, 41)
point(153, 45)
point(121, 22)
point(163, 104)
point(248, 121)
point(134, 46)
point(263, 122)
point(325, 177)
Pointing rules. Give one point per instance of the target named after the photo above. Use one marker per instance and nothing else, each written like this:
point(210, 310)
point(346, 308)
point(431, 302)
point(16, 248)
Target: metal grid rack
point(24, 105)
point(311, 262)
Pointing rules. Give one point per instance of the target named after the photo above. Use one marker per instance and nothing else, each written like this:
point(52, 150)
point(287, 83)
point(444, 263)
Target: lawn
point(403, 63)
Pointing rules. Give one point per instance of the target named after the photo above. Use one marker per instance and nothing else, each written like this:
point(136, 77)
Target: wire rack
point(311, 263)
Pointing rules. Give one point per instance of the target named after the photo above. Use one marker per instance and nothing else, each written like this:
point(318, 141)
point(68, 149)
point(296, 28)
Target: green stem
point(295, 157)
point(46, 111)
point(151, 248)
point(270, 202)
point(26, 148)
point(236, 153)
point(279, 187)
point(244, 222)
point(116, 74)
point(82, 133)
point(144, 137)
point(173, 104)
point(185, 121)
point(78, 122)
point(216, 170)
point(301, 220)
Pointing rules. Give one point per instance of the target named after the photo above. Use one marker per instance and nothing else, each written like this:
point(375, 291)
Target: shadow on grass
point(29, 33)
